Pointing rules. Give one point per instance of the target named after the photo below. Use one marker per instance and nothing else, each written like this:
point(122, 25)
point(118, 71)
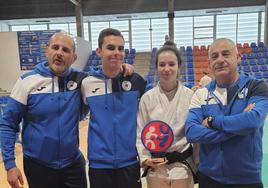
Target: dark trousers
point(206, 182)
point(40, 176)
point(127, 177)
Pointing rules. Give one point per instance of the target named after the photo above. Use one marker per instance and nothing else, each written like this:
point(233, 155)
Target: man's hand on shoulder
point(127, 69)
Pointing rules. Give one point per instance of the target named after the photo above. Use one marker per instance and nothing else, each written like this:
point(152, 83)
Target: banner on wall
point(32, 46)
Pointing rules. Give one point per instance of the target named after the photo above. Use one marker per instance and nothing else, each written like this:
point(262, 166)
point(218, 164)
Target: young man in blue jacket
point(113, 102)
point(226, 117)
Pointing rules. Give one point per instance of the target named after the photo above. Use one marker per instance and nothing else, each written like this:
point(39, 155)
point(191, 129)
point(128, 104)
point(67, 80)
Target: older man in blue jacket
point(226, 118)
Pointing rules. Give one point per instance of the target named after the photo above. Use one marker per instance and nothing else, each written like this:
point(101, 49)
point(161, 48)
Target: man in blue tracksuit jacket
point(113, 102)
point(226, 118)
point(48, 100)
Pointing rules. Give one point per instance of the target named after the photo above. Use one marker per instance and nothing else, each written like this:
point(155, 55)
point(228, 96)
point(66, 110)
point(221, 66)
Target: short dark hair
point(107, 32)
point(169, 46)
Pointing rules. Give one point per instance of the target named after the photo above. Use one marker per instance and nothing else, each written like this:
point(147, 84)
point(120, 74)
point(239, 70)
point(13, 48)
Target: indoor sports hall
point(27, 25)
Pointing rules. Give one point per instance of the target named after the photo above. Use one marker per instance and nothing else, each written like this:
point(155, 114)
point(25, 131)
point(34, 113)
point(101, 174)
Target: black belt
point(176, 156)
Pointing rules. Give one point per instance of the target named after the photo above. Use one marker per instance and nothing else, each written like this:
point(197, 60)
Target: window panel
point(183, 31)
point(262, 26)
point(199, 42)
point(159, 31)
point(73, 29)
point(96, 28)
point(62, 27)
point(203, 32)
point(123, 27)
point(247, 28)
point(141, 35)
point(201, 21)
point(20, 28)
point(38, 27)
point(226, 26)
point(86, 34)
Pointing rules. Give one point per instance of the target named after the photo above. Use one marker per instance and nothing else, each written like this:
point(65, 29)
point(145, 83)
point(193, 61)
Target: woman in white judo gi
point(168, 102)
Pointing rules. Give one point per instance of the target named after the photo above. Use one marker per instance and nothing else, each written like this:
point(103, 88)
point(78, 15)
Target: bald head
point(220, 41)
point(64, 36)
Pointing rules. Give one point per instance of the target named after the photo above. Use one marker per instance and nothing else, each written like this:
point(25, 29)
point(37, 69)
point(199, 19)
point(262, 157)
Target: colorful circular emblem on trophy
point(157, 136)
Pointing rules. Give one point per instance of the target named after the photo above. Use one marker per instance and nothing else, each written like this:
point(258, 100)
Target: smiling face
point(60, 53)
point(112, 54)
point(167, 67)
point(223, 61)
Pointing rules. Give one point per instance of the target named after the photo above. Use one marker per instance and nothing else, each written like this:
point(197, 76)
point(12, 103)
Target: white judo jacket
point(154, 105)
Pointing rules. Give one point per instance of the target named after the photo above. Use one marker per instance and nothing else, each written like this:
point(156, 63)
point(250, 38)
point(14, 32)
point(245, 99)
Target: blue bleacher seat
point(95, 62)
point(244, 63)
point(262, 49)
point(265, 75)
point(258, 75)
point(189, 48)
point(266, 60)
point(190, 64)
point(189, 53)
point(246, 69)
point(182, 49)
point(260, 55)
point(239, 68)
point(260, 61)
point(183, 78)
point(244, 56)
point(130, 61)
point(132, 51)
point(255, 49)
point(93, 53)
point(131, 56)
point(251, 56)
point(252, 62)
point(126, 51)
point(126, 56)
point(190, 71)
point(183, 71)
point(263, 68)
point(149, 79)
point(260, 44)
point(190, 58)
point(255, 68)
point(253, 45)
point(190, 78)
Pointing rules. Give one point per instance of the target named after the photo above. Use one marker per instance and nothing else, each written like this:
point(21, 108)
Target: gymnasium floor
point(83, 141)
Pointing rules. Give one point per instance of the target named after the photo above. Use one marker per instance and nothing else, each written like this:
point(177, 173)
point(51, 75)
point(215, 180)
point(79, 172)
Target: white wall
point(9, 60)
point(83, 50)
point(10, 63)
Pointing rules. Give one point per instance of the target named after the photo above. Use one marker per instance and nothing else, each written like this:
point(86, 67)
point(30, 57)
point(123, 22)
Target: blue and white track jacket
point(50, 108)
point(113, 105)
point(231, 151)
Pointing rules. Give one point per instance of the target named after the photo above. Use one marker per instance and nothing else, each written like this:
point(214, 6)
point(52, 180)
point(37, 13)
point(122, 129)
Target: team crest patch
point(243, 93)
point(71, 85)
point(126, 85)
